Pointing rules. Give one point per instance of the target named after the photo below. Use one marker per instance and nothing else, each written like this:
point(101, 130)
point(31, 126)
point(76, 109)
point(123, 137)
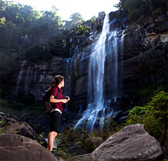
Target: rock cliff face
point(142, 60)
point(36, 78)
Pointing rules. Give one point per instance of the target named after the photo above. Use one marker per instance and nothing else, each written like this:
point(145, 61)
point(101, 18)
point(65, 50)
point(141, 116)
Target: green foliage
point(68, 135)
point(2, 21)
point(76, 17)
point(2, 122)
point(67, 156)
point(40, 139)
point(138, 8)
point(93, 19)
point(84, 138)
point(135, 8)
point(110, 127)
point(88, 145)
point(154, 116)
point(75, 25)
point(22, 26)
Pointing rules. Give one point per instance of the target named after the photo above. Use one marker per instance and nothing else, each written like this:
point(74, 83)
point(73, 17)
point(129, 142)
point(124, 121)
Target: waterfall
point(104, 55)
point(68, 73)
point(121, 57)
point(112, 62)
point(68, 76)
point(95, 80)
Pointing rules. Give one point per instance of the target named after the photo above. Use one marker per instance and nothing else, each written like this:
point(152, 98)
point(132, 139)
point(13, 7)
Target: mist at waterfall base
point(104, 54)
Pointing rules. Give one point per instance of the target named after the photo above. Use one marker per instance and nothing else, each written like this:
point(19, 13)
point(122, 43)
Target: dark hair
point(57, 79)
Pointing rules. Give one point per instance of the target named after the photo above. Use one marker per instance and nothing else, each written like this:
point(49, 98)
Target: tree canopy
point(22, 25)
point(138, 8)
point(23, 31)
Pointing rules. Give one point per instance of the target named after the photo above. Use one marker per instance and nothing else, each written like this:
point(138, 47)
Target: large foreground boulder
point(132, 143)
point(14, 127)
point(19, 148)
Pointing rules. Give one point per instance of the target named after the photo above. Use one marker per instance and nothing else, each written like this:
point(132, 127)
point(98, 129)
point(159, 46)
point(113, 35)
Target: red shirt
point(60, 96)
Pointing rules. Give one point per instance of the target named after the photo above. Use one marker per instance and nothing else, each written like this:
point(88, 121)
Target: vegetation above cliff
point(143, 8)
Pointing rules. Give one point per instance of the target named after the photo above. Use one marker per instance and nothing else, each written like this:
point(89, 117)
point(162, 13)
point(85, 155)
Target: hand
point(67, 97)
point(64, 100)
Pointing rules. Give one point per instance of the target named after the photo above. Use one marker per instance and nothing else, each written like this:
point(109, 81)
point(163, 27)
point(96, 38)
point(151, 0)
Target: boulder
point(73, 148)
point(85, 157)
point(132, 143)
point(91, 143)
point(19, 148)
point(13, 127)
point(37, 120)
point(96, 141)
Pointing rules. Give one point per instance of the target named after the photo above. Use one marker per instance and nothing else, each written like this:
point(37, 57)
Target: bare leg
point(51, 137)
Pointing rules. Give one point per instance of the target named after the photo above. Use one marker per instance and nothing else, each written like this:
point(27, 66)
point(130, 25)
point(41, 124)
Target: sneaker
point(55, 155)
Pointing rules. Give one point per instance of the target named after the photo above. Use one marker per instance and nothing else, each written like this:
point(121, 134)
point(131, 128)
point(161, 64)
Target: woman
point(55, 114)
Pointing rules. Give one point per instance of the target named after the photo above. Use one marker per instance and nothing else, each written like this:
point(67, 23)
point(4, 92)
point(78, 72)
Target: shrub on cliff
point(154, 116)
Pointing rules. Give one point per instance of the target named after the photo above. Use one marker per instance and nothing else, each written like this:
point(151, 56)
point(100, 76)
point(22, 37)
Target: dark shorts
point(55, 121)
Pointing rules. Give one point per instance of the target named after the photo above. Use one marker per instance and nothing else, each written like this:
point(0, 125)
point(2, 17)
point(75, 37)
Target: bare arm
point(53, 100)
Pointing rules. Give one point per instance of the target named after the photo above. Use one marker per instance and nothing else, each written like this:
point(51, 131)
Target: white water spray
point(97, 109)
point(95, 80)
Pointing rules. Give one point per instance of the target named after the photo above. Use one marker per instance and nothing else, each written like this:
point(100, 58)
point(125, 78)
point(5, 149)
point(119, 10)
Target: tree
point(76, 20)
point(149, 4)
point(93, 19)
point(51, 19)
point(75, 25)
point(138, 8)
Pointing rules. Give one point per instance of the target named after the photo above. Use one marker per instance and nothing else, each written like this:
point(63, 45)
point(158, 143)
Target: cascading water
point(121, 58)
point(95, 107)
point(68, 78)
point(68, 74)
point(103, 69)
point(112, 62)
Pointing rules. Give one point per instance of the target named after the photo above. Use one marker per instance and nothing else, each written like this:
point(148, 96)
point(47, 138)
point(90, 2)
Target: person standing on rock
point(55, 114)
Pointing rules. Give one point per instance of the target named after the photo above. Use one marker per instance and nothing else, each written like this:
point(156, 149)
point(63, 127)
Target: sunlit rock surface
point(132, 143)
